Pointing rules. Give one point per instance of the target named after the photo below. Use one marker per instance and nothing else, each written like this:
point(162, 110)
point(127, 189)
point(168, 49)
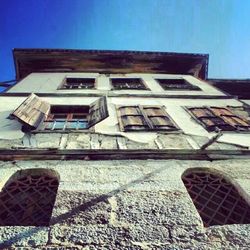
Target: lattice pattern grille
point(217, 201)
point(28, 201)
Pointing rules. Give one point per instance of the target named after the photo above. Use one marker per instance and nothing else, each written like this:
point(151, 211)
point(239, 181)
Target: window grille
point(176, 84)
point(217, 201)
point(28, 200)
point(78, 83)
point(141, 118)
point(127, 83)
point(213, 118)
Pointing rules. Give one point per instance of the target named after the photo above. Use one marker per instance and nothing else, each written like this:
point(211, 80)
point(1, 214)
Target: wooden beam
point(110, 94)
point(125, 154)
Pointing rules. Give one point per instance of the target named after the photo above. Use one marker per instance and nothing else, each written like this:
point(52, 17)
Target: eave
point(104, 61)
point(235, 87)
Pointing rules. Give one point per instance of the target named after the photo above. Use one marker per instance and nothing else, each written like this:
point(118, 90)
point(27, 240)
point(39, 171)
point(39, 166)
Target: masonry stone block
point(48, 140)
point(173, 141)
point(23, 236)
point(127, 205)
point(8, 144)
point(78, 141)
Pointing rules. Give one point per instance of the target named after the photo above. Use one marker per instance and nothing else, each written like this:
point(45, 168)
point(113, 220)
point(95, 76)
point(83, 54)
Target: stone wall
point(101, 141)
point(127, 205)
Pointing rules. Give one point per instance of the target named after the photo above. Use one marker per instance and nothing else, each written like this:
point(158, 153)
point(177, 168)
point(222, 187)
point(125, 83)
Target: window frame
point(175, 130)
point(64, 82)
point(97, 112)
point(236, 130)
point(69, 116)
point(189, 85)
point(137, 78)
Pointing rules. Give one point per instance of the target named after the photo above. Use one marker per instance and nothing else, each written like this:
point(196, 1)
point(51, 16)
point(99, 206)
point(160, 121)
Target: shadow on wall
point(215, 197)
point(62, 217)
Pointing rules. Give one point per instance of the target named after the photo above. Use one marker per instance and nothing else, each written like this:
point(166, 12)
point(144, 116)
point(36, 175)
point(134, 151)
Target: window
point(67, 118)
point(36, 113)
point(127, 83)
point(216, 199)
point(214, 118)
point(176, 84)
point(28, 198)
point(144, 118)
point(78, 83)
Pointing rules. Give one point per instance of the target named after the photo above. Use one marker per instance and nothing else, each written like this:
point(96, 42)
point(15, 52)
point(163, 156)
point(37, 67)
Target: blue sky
point(220, 28)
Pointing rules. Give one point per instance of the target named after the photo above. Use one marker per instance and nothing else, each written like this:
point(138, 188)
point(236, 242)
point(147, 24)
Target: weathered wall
point(139, 204)
point(100, 141)
point(11, 129)
point(50, 82)
point(127, 205)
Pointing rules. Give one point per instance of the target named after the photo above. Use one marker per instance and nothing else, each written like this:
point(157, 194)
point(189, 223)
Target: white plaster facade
point(50, 82)
point(124, 204)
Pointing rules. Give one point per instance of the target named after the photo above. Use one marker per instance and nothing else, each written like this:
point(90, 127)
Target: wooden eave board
point(237, 87)
point(56, 60)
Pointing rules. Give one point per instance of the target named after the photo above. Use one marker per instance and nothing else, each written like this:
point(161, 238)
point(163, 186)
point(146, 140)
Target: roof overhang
point(103, 61)
point(235, 87)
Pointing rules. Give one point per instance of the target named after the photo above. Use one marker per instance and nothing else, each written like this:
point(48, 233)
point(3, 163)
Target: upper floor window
point(127, 83)
point(68, 117)
point(144, 118)
point(36, 113)
point(214, 118)
point(216, 199)
point(176, 84)
point(78, 83)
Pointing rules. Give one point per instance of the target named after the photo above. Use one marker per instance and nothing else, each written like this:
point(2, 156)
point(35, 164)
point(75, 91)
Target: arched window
point(28, 197)
point(216, 199)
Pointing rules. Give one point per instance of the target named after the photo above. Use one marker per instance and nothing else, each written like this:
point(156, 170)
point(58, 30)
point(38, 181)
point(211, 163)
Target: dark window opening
point(28, 198)
point(67, 118)
point(79, 83)
point(144, 118)
point(127, 83)
point(217, 200)
point(176, 84)
point(214, 118)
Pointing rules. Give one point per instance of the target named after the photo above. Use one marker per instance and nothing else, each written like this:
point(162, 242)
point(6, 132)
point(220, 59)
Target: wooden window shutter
point(131, 119)
point(32, 111)
point(219, 117)
point(145, 118)
point(98, 111)
point(208, 119)
point(230, 118)
point(159, 118)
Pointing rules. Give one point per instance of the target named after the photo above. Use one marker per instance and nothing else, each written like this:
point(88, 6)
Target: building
point(121, 150)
